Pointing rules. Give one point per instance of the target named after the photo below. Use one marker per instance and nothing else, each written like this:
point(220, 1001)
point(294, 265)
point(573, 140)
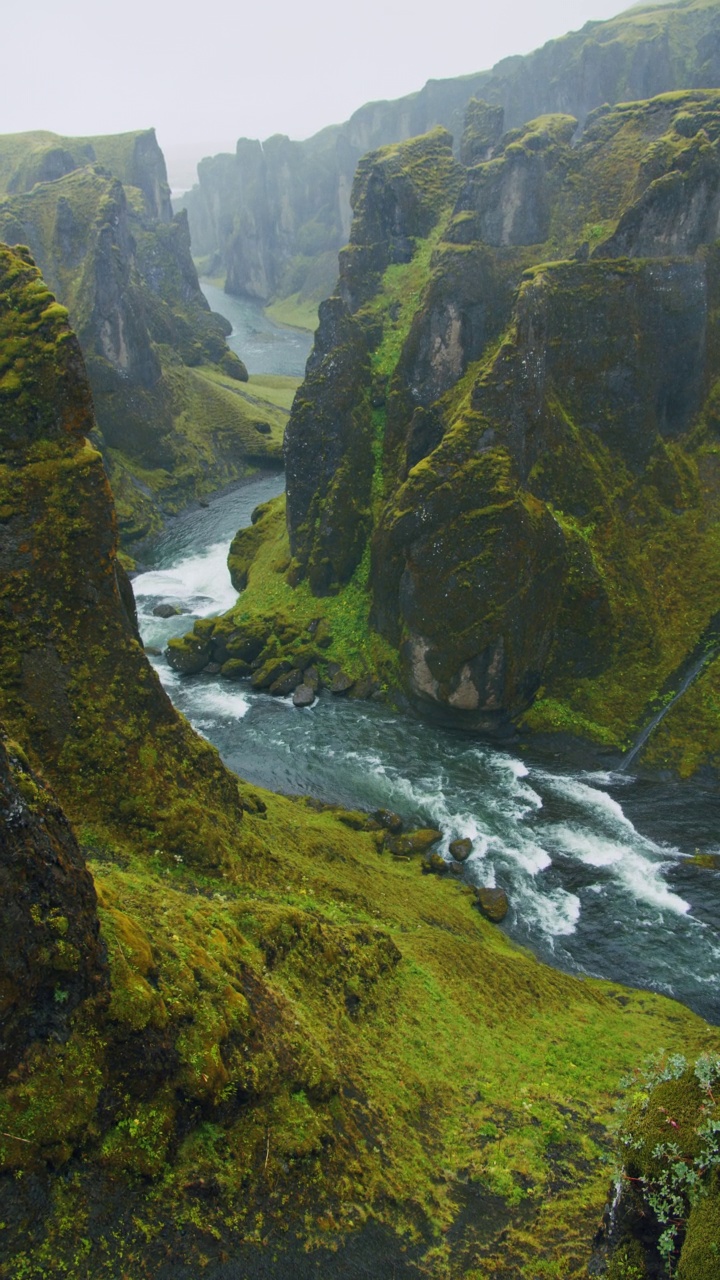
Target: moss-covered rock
point(273, 215)
point(536, 475)
point(51, 957)
point(171, 424)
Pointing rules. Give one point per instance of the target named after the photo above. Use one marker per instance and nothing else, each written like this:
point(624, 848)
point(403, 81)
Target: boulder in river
point(304, 696)
point(269, 672)
point(435, 865)
point(188, 654)
point(286, 683)
point(235, 669)
point(166, 610)
point(365, 688)
point(413, 842)
point(341, 683)
point(493, 903)
point(392, 822)
point(461, 849)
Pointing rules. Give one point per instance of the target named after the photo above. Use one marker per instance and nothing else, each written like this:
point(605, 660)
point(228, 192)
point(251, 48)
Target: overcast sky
point(205, 74)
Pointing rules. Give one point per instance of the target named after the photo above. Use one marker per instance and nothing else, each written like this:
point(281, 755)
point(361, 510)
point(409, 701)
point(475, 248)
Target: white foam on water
point(586, 846)
point(556, 913)
point(639, 875)
point(593, 801)
point(201, 582)
point(212, 699)
point(528, 855)
point(515, 793)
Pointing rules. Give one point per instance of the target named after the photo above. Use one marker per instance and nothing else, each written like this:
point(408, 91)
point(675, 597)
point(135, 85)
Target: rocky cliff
point(228, 1039)
point(273, 216)
point(506, 439)
point(96, 215)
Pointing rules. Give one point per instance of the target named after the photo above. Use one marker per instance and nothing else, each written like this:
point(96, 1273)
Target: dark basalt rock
point(51, 956)
point(413, 842)
point(461, 849)
point(392, 822)
point(269, 672)
point(304, 696)
point(286, 684)
point(493, 903)
point(166, 611)
point(235, 669)
point(189, 655)
point(341, 683)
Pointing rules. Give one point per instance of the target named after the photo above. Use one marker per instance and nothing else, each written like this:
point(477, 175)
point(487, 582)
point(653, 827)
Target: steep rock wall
point(274, 215)
point(101, 227)
point(69, 639)
point(542, 365)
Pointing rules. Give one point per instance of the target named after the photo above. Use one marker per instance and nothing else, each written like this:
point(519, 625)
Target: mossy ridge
point(69, 638)
point(294, 195)
point(110, 248)
point(459, 368)
point(260, 561)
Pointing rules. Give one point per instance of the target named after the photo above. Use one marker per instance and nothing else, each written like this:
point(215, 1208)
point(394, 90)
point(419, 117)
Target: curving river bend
point(595, 863)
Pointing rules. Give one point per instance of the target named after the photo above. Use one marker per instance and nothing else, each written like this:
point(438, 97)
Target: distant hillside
point(273, 216)
point(97, 217)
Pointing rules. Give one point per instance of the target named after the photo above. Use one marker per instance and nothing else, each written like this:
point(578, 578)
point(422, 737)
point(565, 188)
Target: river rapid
point(595, 863)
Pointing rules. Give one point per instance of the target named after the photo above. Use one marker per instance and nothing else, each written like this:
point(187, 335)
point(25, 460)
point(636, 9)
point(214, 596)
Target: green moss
point(295, 311)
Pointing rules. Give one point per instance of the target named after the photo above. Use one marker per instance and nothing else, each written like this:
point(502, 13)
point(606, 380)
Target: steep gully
point(596, 862)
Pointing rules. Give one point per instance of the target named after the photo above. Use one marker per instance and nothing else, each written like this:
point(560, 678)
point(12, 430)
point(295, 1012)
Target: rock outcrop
point(274, 215)
point(68, 634)
point(96, 215)
point(530, 428)
point(51, 956)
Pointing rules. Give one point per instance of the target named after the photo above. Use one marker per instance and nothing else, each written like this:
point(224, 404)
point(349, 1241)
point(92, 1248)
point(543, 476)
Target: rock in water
point(304, 696)
point(413, 842)
point(493, 903)
point(392, 822)
point(166, 611)
point(461, 849)
point(286, 684)
point(341, 683)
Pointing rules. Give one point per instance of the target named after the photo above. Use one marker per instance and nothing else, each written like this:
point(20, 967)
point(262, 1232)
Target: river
point(596, 864)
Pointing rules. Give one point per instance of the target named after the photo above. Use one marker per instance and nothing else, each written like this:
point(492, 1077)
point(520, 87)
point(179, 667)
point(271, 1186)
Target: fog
point(204, 75)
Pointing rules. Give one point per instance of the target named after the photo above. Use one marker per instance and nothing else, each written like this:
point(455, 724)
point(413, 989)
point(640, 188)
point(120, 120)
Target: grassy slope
point(460, 1066)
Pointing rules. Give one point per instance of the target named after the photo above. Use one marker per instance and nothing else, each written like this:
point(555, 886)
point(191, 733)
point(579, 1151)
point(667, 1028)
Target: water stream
point(596, 863)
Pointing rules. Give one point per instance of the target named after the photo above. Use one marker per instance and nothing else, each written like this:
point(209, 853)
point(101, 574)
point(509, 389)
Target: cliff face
point(273, 216)
point(97, 217)
point(69, 636)
point(537, 459)
point(51, 957)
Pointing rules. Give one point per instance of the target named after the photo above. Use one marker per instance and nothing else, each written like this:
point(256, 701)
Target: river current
point(595, 863)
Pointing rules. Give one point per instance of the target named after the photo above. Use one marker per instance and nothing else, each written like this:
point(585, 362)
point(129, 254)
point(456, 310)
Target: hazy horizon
point(202, 84)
